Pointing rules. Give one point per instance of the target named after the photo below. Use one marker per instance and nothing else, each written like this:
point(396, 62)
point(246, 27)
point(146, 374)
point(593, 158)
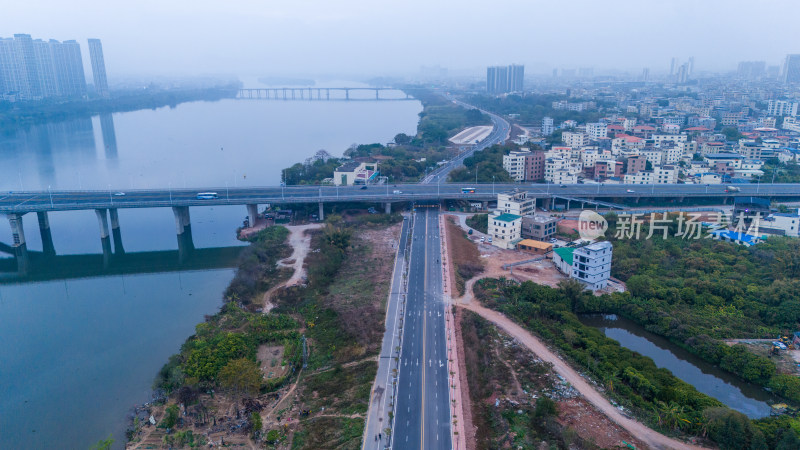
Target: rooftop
point(565, 253)
point(505, 217)
point(536, 244)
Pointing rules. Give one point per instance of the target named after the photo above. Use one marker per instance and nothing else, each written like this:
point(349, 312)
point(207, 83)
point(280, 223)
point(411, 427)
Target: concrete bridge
point(15, 205)
point(311, 93)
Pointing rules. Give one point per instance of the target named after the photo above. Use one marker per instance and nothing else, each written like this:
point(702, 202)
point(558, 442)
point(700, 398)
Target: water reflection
point(109, 136)
point(739, 395)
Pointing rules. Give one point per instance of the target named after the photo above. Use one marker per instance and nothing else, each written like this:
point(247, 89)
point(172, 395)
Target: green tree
point(402, 139)
point(732, 134)
point(170, 417)
point(545, 407)
point(273, 436)
point(241, 376)
point(256, 424)
point(103, 444)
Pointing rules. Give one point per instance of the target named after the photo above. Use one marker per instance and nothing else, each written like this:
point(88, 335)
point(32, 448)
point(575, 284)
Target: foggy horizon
point(347, 38)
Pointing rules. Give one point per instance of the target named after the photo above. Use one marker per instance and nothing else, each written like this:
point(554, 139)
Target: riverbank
point(304, 370)
point(408, 158)
point(21, 115)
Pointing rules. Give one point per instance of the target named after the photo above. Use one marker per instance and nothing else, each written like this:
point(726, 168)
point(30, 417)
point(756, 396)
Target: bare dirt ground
point(301, 244)
point(785, 360)
point(270, 359)
point(258, 225)
point(649, 437)
point(591, 424)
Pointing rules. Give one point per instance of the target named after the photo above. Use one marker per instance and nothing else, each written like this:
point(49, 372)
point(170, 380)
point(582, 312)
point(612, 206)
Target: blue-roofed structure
point(736, 237)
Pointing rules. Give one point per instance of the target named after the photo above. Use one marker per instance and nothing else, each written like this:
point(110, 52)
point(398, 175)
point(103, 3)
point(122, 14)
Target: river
point(735, 393)
point(77, 353)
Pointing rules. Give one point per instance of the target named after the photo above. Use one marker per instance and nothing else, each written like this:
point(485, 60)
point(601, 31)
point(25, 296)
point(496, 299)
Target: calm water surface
point(76, 354)
point(737, 394)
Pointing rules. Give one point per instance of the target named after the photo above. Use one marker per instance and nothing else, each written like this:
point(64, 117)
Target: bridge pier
point(116, 235)
point(252, 214)
point(44, 230)
point(105, 239)
point(19, 244)
point(327, 94)
point(347, 94)
point(376, 94)
point(183, 227)
point(387, 208)
point(321, 212)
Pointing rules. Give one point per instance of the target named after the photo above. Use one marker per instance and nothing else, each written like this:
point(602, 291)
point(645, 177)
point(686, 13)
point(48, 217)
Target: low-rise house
point(535, 247)
point(787, 224)
point(355, 172)
point(562, 258)
point(540, 228)
point(505, 229)
point(517, 203)
point(736, 237)
point(591, 264)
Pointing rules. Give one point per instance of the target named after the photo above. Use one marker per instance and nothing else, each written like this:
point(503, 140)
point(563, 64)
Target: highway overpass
point(107, 203)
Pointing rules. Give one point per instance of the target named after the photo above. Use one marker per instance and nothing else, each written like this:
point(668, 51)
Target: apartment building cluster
point(717, 131)
point(515, 225)
point(34, 69)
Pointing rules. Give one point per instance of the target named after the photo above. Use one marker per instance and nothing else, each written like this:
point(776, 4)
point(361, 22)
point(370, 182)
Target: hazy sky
point(380, 37)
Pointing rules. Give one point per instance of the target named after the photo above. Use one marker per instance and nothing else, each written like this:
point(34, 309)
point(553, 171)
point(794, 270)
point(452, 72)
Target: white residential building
point(547, 126)
point(561, 171)
point(643, 177)
point(789, 223)
point(782, 108)
point(597, 130)
point(591, 264)
point(517, 203)
point(676, 138)
point(665, 174)
point(514, 163)
point(505, 229)
point(575, 140)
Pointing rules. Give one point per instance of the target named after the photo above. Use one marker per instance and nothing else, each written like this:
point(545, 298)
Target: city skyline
point(32, 69)
point(310, 37)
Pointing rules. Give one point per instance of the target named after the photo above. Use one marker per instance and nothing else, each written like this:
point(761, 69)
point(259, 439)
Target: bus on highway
point(206, 195)
point(467, 190)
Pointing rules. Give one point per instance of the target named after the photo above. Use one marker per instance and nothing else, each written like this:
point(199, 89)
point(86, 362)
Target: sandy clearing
point(301, 244)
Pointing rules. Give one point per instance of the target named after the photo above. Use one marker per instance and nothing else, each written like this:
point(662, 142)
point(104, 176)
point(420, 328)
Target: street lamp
point(169, 186)
point(51, 196)
point(110, 197)
point(492, 184)
point(227, 194)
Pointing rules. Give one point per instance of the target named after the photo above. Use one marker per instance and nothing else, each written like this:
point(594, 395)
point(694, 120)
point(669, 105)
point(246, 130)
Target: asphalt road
point(422, 412)
point(380, 406)
point(21, 202)
point(498, 135)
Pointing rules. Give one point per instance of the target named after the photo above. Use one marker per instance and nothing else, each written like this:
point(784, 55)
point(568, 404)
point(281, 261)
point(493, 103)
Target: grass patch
point(464, 255)
point(341, 389)
point(329, 432)
point(479, 222)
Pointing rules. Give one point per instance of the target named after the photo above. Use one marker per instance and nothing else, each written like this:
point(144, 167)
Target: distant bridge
point(310, 93)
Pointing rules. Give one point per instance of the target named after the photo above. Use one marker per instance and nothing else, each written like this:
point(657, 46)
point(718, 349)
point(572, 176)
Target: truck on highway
point(732, 189)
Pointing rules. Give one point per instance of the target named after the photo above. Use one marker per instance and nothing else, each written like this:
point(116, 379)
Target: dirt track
point(301, 244)
point(642, 432)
